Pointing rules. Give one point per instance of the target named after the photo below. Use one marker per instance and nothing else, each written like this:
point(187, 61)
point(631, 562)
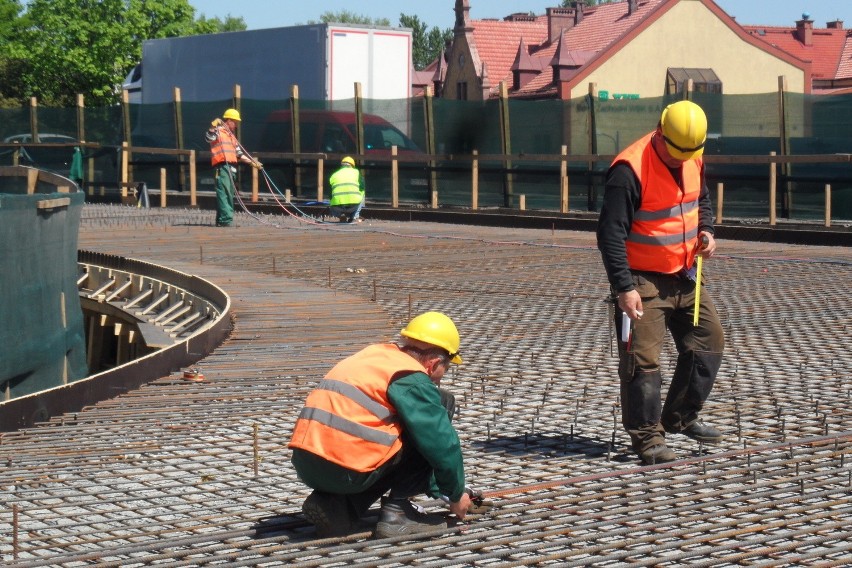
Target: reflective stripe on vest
point(348, 418)
point(345, 187)
point(664, 232)
point(224, 148)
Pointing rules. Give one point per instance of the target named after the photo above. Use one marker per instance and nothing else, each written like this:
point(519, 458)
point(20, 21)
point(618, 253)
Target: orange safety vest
point(224, 147)
point(664, 233)
point(348, 419)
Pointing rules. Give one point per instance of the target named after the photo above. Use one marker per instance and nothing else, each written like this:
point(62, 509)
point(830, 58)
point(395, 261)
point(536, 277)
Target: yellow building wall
point(690, 35)
point(463, 70)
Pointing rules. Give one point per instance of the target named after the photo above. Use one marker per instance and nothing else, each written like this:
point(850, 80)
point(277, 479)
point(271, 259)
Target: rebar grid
point(166, 474)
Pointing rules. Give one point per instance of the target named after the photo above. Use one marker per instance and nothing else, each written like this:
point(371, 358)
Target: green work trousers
point(225, 190)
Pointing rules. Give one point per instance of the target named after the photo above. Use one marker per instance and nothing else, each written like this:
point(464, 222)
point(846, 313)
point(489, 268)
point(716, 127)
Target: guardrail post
point(296, 138)
point(827, 205)
point(773, 188)
point(394, 177)
point(720, 197)
point(125, 158)
point(254, 185)
point(563, 181)
point(193, 198)
point(320, 176)
point(162, 187)
point(474, 197)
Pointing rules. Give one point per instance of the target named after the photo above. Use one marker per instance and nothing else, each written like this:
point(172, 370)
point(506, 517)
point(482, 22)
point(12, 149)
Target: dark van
point(332, 132)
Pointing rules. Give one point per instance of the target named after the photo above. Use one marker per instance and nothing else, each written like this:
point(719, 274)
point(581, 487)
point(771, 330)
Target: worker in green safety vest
point(347, 192)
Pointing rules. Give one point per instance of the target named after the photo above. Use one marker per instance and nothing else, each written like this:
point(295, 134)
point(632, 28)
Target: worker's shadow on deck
point(554, 444)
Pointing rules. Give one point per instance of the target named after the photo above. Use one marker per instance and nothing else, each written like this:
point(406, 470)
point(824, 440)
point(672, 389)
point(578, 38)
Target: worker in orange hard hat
point(380, 423)
point(226, 154)
point(656, 218)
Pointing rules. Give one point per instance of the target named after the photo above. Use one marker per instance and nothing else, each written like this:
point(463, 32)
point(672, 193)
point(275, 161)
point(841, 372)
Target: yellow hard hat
point(435, 329)
point(347, 161)
point(684, 128)
point(232, 113)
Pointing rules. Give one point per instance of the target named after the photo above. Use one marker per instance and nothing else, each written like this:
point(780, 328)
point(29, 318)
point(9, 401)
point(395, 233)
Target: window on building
point(461, 91)
point(703, 80)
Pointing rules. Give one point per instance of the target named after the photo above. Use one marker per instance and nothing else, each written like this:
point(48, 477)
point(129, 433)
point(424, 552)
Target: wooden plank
point(54, 203)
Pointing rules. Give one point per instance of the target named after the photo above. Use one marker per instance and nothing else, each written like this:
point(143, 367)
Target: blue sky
point(439, 13)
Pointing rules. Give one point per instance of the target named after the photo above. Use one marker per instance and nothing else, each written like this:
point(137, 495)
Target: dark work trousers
point(407, 474)
point(667, 302)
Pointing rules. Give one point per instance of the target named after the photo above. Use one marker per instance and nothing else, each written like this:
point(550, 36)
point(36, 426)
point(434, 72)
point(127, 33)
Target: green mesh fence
point(738, 125)
point(42, 337)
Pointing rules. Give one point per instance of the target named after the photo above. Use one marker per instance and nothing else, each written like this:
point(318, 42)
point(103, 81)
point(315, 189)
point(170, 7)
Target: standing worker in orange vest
point(347, 192)
point(656, 217)
point(380, 422)
point(226, 153)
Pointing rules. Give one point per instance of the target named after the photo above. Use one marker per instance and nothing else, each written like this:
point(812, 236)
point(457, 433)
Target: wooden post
point(394, 177)
point(773, 187)
point(434, 200)
point(320, 177)
point(506, 141)
point(592, 198)
point(827, 205)
point(428, 115)
point(563, 181)
point(127, 143)
point(296, 138)
point(474, 192)
point(720, 196)
point(237, 103)
point(254, 185)
point(178, 118)
point(125, 159)
point(359, 120)
point(163, 187)
point(81, 119)
point(193, 201)
point(522, 202)
point(786, 168)
point(287, 196)
point(34, 119)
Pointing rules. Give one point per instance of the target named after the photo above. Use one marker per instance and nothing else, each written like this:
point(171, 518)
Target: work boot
point(658, 453)
point(702, 433)
point(401, 517)
point(329, 513)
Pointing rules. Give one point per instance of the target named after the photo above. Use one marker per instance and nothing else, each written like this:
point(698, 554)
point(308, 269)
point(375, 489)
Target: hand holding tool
point(699, 264)
point(217, 122)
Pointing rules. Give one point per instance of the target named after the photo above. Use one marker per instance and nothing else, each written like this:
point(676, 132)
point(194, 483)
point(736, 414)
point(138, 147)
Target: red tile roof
point(497, 42)
point(844, 68)
point(826, 52)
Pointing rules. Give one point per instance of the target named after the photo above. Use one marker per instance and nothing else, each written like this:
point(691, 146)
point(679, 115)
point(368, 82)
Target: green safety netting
point(738, 125)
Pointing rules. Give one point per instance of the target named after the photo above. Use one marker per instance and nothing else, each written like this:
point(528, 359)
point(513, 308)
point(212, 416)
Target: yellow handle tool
point(698, 260)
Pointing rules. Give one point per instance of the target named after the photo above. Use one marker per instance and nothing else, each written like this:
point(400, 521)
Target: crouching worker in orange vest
point(379, 423)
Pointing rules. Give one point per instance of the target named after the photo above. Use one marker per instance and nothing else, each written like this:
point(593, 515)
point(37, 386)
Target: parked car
point(334, 133)
point(56, 159)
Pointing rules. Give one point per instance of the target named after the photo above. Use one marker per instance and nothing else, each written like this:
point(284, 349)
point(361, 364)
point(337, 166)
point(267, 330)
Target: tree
point(347, 17)
point(11, 52)
point(204, 25)
point(84, 46)
point(426, 46)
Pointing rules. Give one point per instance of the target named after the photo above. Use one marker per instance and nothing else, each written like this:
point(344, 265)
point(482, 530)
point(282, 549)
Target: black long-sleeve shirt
point(622, 198)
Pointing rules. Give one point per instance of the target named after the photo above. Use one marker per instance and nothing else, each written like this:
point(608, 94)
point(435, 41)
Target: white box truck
point(324, 60)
